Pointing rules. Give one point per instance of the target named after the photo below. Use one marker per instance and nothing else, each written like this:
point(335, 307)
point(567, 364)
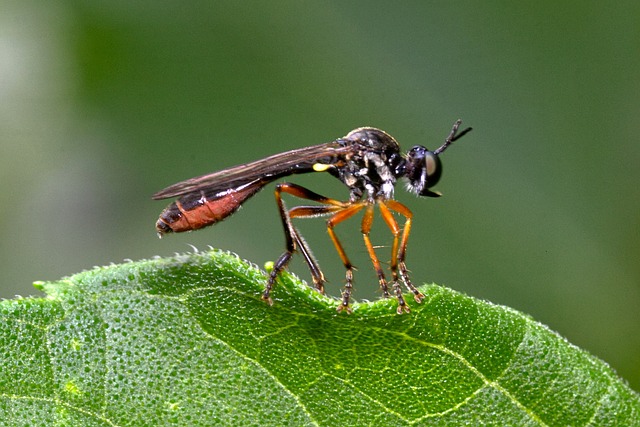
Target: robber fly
point(368, 161)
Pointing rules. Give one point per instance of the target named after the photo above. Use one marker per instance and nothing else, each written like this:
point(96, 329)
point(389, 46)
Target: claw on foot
point(319, 287)
point(266, 298)
point(403, 308)
point(345, 308)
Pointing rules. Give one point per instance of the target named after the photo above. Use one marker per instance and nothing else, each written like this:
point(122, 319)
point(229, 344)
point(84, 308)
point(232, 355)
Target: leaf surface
point(187, 341)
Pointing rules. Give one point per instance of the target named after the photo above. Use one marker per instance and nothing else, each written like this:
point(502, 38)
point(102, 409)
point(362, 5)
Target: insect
point(368, 161)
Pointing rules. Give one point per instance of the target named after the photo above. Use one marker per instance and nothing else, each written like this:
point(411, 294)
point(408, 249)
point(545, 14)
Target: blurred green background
point(104, 103)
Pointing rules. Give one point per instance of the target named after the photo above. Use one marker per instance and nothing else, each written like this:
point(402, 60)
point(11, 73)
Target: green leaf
point(187, 341)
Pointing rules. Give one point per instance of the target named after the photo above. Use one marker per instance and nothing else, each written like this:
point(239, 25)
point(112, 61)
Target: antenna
point(453, 136)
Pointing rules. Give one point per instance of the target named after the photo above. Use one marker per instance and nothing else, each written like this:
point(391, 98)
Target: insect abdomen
point(195, 212)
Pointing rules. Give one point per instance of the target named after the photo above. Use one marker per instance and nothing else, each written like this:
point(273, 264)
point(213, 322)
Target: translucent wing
point(265, 170)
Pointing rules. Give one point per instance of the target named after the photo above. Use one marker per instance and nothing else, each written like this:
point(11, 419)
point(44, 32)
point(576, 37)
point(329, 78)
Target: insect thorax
point(373, 166)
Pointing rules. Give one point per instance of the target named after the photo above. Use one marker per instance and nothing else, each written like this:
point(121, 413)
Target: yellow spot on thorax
point(319, 167)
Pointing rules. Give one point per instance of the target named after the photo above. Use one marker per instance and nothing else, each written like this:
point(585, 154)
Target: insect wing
point(264, 171)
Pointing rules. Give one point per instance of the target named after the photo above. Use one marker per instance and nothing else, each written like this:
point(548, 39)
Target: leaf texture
point(187, 341)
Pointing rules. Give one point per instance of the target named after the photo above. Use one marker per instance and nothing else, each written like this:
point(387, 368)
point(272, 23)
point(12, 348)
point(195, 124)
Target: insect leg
point(391, 222)
point(282, 262)
point(367, 221)
point(343, 214)
point(312, 263)
point(398, 258)
point(293, 238)
point(340, 213)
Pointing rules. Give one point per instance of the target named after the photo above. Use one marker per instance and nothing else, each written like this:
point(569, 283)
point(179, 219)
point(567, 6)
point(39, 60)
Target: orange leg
point(365, 228)
point(341, 211)
point(391, 222)
point(293, 239)
point(398, 265)
point(342, 215)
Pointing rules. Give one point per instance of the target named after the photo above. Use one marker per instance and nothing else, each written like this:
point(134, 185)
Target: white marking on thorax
point(387, 189)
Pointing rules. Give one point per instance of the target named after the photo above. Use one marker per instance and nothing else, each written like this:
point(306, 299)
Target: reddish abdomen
point(194, 211)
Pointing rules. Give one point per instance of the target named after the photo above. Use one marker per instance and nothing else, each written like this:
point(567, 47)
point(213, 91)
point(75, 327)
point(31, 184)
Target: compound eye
point(423, 170)
point(433, 167)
